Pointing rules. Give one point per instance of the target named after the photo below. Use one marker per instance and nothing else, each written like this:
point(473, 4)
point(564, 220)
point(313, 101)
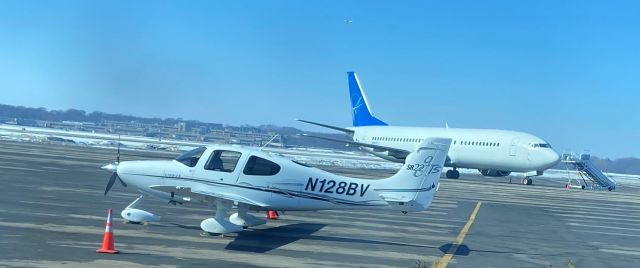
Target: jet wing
point(345, 130)
point(203, 195)
point(391, 150)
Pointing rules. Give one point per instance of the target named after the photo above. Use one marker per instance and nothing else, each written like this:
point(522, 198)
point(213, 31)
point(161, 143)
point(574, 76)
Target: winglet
point(360, 111)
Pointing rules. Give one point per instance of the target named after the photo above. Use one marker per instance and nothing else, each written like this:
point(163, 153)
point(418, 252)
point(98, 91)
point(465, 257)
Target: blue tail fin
point(359, 106)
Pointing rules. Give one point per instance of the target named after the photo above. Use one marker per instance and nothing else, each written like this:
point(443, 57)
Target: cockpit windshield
point(191, 158)
point(541, 145)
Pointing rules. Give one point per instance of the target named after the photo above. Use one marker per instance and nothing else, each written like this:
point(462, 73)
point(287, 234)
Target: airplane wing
point(345, 130)
point(379, 148)
point(203, 195)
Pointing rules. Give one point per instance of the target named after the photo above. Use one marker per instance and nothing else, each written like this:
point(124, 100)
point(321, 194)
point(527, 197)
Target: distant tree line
point(21, 112)
point(290, 136)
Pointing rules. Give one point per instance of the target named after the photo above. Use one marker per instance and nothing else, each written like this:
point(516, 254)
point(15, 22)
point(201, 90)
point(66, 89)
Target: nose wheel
point(527, 181)
point(138, 216)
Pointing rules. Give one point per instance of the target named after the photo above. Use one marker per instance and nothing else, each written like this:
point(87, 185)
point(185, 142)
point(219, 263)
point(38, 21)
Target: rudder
point(412, 188)
point(360, 112)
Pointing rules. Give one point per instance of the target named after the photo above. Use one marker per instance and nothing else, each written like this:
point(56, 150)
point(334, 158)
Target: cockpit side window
point(191, 158)
point(258, 166)
point(540, 145)
point(223, 161)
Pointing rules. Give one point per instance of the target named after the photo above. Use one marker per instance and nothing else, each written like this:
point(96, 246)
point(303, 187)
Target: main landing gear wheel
point(453, 174)
point(219, 224)
point(527, 181)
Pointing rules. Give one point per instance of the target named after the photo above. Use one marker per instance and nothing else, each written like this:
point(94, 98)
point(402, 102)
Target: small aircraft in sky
point(227, 177)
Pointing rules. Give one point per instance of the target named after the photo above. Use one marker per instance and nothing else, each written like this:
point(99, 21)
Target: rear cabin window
point(191, 158)
point(258, 166)
point(223, 161)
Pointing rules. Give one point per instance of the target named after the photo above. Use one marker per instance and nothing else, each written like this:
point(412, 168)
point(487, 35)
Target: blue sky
point(566, 71)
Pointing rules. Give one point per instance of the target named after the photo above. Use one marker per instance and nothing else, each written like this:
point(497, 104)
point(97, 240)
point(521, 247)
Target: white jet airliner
point(495, 153)
point(222, 176)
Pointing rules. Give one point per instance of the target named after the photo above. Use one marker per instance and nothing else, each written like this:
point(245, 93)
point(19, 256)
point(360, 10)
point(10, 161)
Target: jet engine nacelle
point(494, 173)
point(135, 215)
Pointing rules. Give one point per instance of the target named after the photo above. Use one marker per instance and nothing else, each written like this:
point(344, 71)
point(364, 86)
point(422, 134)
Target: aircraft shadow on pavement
point(264, 240)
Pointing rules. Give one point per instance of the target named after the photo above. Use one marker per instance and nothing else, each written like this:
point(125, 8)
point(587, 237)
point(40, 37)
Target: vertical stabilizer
point(360, 111)
point(412, 188)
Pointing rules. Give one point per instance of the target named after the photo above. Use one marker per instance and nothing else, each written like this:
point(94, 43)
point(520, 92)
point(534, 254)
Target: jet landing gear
point(137, 216)
point(528, 177)
point(453, 174)
point(527, 181)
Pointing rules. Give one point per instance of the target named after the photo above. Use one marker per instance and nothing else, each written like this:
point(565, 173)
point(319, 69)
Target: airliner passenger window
point(223, 161)
point(191, 158)
point(258, 166)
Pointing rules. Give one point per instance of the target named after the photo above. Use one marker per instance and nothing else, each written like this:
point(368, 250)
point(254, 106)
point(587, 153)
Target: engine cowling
point(494, 173)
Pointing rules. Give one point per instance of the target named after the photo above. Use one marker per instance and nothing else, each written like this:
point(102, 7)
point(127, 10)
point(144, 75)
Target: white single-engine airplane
point(222, 176)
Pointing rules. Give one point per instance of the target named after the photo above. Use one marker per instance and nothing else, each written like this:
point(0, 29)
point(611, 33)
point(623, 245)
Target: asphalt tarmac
point(52, 214)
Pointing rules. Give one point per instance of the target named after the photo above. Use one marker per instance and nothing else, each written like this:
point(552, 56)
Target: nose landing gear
point(138, 216)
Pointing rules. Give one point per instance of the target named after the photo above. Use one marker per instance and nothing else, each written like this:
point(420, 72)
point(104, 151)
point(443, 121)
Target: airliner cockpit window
point(541, 145)
point(223, 161)
point(191, 158)
point(257, 166)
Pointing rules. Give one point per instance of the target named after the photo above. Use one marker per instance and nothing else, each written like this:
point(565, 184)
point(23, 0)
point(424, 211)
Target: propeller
point(114, 167)
point(112, 180)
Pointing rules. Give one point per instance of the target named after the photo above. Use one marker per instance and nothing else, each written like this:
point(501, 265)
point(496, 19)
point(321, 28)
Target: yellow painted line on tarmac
point(444, 261)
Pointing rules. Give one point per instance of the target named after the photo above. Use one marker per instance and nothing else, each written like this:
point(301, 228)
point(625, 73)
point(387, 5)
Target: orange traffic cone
point(107, 241)
point(272, 214)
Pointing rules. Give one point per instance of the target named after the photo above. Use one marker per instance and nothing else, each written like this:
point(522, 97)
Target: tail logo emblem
point(426, 167)
point(357, 105)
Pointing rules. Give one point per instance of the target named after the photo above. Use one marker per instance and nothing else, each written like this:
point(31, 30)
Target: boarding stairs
point(587, 171)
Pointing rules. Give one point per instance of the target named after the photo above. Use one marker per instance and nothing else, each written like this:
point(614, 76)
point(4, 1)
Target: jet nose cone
point(553, 158)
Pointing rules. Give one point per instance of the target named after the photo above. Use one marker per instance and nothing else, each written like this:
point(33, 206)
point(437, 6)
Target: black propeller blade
point(112, 180)
point(114, 167)
point(110, 183)
point(122, 182)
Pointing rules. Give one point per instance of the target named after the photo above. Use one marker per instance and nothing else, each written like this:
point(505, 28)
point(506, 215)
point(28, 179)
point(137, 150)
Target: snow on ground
point(311, 156)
